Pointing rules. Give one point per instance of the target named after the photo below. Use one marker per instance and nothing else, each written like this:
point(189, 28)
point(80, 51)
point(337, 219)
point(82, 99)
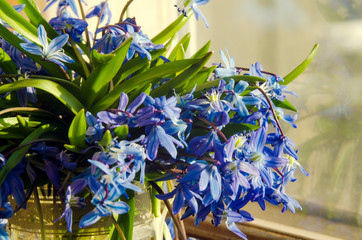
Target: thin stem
point(40, 212)
point(86, 29)
point(80, 58)
point(99, 20)
point(118, 228)
point(272, 109)
point(27, 197)
point(214, 127)
point(32, 142)
point(169, 208)
point(269, 73)
point(124, 10)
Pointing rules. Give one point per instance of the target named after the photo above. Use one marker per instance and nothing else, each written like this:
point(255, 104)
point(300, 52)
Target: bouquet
point(97, 114)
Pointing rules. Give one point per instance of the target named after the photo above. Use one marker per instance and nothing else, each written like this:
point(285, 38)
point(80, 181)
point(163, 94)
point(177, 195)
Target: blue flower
point(105, 202)
point(3, 234)
point(51, 52)
point(73, 26)
point(96, 11)
point(235, 98)
point(193, 4)
point(229, 69)
point(157, 136)
point(64, 4)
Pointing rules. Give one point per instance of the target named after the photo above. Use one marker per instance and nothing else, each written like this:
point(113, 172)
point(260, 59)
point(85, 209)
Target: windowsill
point(272, 224)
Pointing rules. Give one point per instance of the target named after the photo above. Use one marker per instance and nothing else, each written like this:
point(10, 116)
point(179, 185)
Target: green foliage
point(78, 129)
point(301, 67)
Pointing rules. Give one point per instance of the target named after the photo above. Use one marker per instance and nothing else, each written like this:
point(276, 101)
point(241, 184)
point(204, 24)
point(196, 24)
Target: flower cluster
point(114, 110)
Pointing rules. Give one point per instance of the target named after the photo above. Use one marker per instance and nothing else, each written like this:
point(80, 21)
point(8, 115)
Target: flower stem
point(169, 208)
point(80, 58)
point(124, 10)
point(118, 228)
point(32, 142)
point(40, 212)
point(99, 20)
point(272, 109)
point(86, 29)
point(214, 127)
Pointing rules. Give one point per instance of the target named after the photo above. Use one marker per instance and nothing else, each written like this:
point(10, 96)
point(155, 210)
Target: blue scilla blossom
point(233, 217)
point(199, 145)
point(141, 44)
point(229, 66)
point(51, 52)
point(3, 234)
point(112, 38)
point(282, 145)
point(95, 11)
point(183, 195)
point(72, 26)
point(106, 203)
point(259, 158)
point(63, 4)
point(194, 6)
point(238, 101)
point(72, 201)
point(165, 108)
point(13, 184)
point(213, 107)
point(125, 115)
point(132, 153)
point(95, 129)
point(156, 136)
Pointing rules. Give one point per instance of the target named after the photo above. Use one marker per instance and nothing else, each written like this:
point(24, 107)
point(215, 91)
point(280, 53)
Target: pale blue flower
point(52, 51)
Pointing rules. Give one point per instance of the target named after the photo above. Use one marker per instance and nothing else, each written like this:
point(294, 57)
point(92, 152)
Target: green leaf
point(78, 129)
point(121, 132)
point(200, 78)
point(100, 58)
point(22, 122)
point(234, 128)
point(103, 74)
point(142, 78)
point(6, 63)
point(15, 41)
point(237, 78)
point(182, 78)
point(179, 50)
point(301, 67)
point(107, 139)
point(204, 49)
point(13, 121)
point(284, 104)
point(177, 53)
point(18, 22)
point(73, 148)
point(18, 155)
point(174, 27)
point(51, 87)
point(136, 64)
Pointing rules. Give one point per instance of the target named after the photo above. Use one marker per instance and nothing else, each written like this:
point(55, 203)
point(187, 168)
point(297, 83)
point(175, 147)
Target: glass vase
point(26, 223)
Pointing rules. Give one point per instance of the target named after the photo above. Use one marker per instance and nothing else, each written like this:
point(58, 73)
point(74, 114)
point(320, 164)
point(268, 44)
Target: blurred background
point(280, 34)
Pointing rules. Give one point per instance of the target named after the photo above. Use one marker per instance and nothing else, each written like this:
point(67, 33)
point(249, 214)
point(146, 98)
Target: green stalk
point(86, 29)
point(40, 212)
point(99, 20)
point(118, 228)
point(124, 10)
point(80, 58)
point(124, 222)
point(156, 203)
